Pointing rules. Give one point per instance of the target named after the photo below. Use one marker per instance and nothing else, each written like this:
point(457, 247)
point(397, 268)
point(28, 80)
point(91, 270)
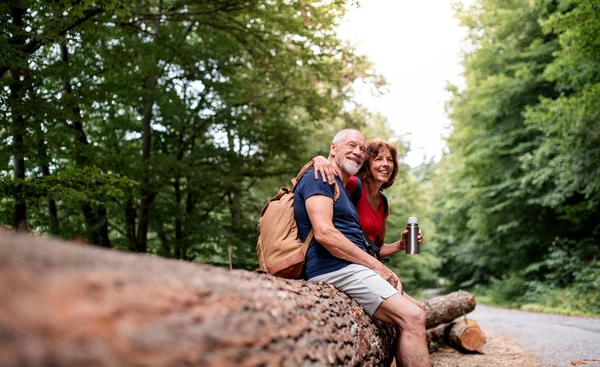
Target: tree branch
point(35, 45)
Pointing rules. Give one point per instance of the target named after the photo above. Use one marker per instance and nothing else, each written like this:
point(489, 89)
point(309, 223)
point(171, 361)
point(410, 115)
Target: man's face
point(349, 154)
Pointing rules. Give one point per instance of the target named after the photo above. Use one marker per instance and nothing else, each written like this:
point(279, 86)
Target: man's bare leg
point(410, 319)
point(413, 300)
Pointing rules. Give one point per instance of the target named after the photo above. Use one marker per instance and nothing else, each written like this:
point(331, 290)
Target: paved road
point(557, 340)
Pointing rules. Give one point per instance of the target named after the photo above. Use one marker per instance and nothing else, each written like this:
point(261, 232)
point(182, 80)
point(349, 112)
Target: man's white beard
point(350, 167)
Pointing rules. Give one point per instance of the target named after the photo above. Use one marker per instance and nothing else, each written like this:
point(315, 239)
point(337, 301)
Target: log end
point(472, 339)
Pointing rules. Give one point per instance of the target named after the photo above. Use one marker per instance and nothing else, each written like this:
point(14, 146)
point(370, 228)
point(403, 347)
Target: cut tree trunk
point(72, 305)
point(462, 334)
point(444, 309)
point(76, 305)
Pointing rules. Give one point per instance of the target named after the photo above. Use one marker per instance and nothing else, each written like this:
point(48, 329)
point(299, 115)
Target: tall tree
point(485, 212)
point(17, 94)
point(564, 169)
point(19, 58)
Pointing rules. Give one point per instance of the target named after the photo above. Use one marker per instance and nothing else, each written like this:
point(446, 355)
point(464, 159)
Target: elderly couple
point(338, 255)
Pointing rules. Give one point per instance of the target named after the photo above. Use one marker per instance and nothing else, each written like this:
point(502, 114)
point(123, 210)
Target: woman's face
point(382, 165)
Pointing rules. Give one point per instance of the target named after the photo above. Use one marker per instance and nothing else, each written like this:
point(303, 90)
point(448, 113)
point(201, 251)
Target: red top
point(372, 220)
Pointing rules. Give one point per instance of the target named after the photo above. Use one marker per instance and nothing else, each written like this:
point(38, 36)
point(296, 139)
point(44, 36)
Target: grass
point(555, 301)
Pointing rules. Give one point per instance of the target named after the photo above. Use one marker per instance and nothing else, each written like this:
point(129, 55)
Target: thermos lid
point(413, 220)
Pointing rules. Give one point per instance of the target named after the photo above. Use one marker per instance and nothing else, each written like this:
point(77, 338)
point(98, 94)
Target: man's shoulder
point(308, 183)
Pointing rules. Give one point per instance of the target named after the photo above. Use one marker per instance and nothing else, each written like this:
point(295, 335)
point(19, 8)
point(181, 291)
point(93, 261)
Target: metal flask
point(412, 245)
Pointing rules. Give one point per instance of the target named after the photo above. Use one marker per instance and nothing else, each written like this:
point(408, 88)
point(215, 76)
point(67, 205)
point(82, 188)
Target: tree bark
point(75, 305)
point(462, 334)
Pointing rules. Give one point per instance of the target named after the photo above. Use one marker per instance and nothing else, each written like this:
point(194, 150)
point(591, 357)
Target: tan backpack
point(279, 249)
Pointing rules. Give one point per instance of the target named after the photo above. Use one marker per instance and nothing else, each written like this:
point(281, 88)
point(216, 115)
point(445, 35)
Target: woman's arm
point(321, 164)
point(387, 249)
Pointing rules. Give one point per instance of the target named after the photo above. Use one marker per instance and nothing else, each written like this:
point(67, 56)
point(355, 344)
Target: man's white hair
point(342, 134)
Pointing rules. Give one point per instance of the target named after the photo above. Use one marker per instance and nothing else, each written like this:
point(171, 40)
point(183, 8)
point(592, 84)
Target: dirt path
point(519, 338)
point(500, 350)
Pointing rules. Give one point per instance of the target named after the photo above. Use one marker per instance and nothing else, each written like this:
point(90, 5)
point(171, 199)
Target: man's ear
point(332, 149)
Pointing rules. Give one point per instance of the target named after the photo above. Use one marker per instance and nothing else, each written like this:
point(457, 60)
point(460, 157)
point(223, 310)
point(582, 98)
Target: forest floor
point(500, 350)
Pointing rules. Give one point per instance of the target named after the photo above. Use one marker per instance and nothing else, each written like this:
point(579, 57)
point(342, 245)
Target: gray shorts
point(362, 284)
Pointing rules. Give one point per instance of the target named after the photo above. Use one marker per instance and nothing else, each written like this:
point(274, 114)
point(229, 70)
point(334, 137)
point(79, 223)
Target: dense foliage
point(163, 126)
point(518, 193)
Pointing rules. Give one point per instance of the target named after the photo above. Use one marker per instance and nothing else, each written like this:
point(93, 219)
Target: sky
point(416, 46)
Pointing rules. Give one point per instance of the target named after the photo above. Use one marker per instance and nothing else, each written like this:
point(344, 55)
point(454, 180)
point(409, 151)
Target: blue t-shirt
point(345, 219)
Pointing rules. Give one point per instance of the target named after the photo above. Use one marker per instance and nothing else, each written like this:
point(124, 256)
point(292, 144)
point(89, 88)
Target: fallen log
point(462, 334)
point(444, 309)
point(76, 305)
point(71, 305)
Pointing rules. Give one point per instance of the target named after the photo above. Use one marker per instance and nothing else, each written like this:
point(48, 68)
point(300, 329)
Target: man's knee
point(415, 318)
point(402, 313)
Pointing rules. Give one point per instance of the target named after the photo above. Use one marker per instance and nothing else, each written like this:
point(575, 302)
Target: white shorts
point(362, 284)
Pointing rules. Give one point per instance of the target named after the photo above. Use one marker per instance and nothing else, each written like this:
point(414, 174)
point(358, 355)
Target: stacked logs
point(64, 304)
point(447, 323)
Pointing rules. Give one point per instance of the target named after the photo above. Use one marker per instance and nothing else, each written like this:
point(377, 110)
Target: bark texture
point(444, 309)
point(462, 334)
point(76, 305)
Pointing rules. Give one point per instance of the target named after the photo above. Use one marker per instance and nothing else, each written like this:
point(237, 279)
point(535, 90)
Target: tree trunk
point(18, 123)
point(190, 204)
point(130, 220)
point(78, 305)
point(464, 335)
point(96, 221)
point(147, 194)
point(444, 309)
point(109, 308)
point(44, 162)
point(178, 223)
point(178, 199)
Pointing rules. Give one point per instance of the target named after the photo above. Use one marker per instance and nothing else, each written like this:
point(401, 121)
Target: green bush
point(508, 291)
point(513, 291)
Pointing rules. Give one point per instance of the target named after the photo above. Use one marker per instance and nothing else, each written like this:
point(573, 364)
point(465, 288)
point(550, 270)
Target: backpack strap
point(357, 193)
point(306, 167)
point(308, 238)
